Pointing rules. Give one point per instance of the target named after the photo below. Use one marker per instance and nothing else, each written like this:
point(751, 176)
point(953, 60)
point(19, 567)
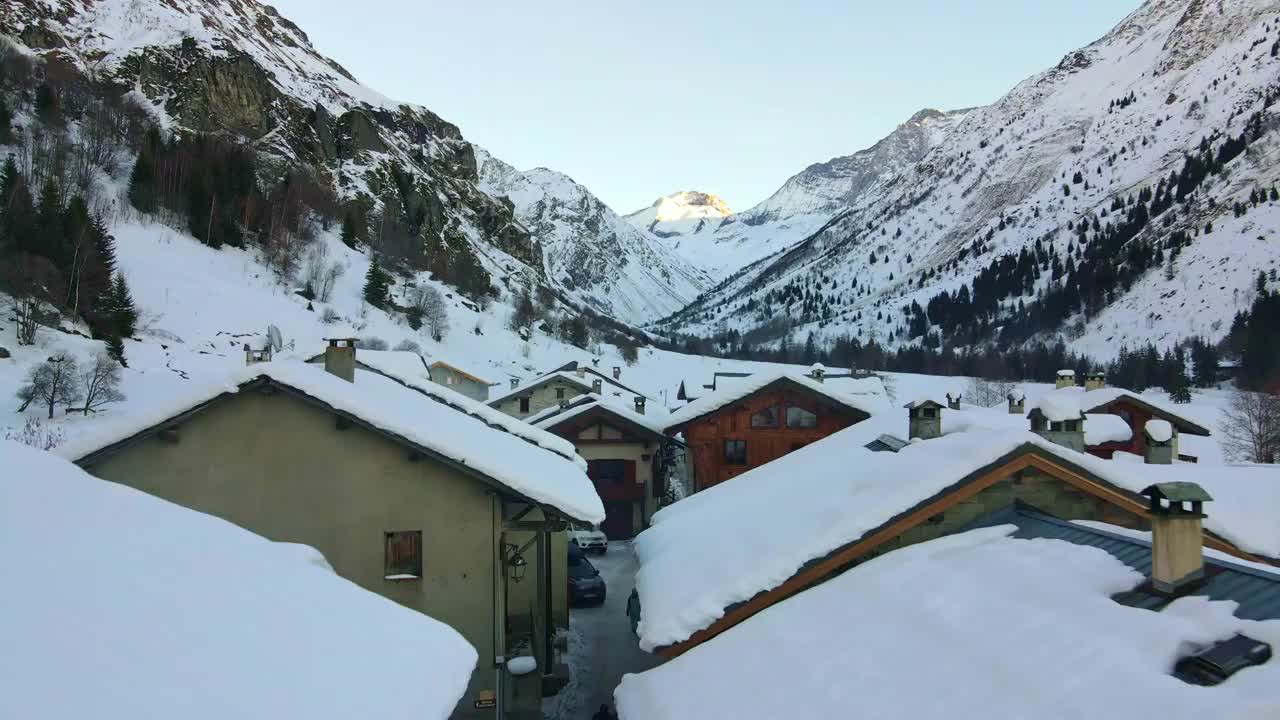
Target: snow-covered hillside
point(722, 242)
point(596, 257)
point(1067, 151)
point(238, 68)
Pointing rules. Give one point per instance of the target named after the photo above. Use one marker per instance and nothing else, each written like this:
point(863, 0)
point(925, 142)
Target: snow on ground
point(754, 533)
point(157, 611)
point(967, 626)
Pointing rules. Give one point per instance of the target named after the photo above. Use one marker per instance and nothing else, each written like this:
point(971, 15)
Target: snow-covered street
point(602, 647)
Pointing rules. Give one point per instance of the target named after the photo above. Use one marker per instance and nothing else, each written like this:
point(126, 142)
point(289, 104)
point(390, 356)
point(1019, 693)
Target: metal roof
point(1257, 591)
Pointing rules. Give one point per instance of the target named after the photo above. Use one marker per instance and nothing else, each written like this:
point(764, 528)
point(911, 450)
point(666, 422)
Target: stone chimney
point(515, 383)
point(924, 420)
point(953, 402)
point(1161, 440)
point(640, 404)
point(617, 372)
point(1177, 541)
point(582, 371)
point(1017, 403)
point(1067, 432)
point(564, 403)
point(1066, 379)
point(597, 386)
point(1095, 381)
point(340, 358)
point(818, 372)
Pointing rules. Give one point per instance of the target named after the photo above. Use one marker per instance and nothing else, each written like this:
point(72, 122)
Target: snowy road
point(601, 644)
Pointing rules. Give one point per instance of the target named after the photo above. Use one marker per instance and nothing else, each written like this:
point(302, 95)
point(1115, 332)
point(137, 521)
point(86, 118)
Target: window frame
point(738, 458)
point(402, 569)
point(524, 404)
point(807, 413)
point(777, 418)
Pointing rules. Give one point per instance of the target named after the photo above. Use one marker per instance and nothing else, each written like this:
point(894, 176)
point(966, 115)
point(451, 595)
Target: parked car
point(589, 538)
point(585, 583)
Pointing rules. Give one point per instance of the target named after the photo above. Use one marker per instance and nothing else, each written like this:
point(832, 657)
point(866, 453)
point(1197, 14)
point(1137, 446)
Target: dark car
point(585, 583)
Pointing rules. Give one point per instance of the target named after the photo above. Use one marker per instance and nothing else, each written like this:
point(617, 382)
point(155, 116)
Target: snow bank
point(1060, 406)
point(483, 439)
point(1102, 428)
point(976, 625)
point(743, 387)
point(120, 605)
point(1159, 430)
point(754, 533)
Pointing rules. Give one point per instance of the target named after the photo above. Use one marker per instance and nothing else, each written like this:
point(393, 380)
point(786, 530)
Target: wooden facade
point(623, 462)
point(760, 428)
point(1136, 414)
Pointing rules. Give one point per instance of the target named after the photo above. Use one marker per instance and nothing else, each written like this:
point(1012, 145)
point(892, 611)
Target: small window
point(524, 405)
point(766, 418)
point(928, 412)
point(559, 393)
point(403, 555)
point(798, 417)
point(451, 380)
point(1071, 426)
point(735, 452)
point(937, 519)
point(612, 472)
point(1055, 427)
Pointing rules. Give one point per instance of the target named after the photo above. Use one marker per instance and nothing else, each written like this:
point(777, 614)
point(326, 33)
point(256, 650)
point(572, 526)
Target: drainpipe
point(499, 609)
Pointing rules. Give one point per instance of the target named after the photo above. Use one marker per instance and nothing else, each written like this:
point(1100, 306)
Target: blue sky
point(637, 100)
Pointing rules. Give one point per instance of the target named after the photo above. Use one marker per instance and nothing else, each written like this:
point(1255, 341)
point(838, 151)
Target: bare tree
point(320, 275)
point(100, 383)
point(988, 393)
point(427, 302)
point(51, 383)
point(1251, 426)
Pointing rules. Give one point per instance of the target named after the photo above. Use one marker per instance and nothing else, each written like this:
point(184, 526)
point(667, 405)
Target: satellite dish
point(273, 336)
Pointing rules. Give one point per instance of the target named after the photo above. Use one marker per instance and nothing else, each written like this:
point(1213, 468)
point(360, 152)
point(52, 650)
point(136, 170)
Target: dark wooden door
point(618, 521)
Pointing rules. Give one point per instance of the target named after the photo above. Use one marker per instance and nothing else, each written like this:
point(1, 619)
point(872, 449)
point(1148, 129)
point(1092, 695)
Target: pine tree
point(142, 190)
point(376, 284)
point(124, 315)
point(349, 231)
point(6, 123)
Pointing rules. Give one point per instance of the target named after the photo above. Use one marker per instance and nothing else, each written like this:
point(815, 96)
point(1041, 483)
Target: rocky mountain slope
point(1122, 197)
point(596, 257)
point(726, 242)
point(237, 68)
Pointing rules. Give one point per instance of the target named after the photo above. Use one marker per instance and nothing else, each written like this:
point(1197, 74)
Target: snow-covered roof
point(581, 382)
point(528, 461)
point(392, 362)
point(654, 421)
point(1102, 428)
point(1094, 400)
point(1159, 430)
point(118, 604)
point(759, 530)
point(869, 389)
point(1058, 406)
point(976, 625)
point(1066, 373)
point(436, 362)
point(754, 383)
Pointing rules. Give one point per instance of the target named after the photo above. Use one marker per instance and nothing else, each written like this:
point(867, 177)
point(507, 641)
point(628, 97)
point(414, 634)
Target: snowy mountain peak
point(688, 204)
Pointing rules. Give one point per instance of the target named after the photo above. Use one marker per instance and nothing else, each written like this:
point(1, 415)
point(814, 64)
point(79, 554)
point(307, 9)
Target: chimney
point(340, 358)
point(582, 371)
point(1177, 542)
point(597, 386)
point(953, 402)
point(924, 420)
point(640, 404)
point(564, 403)
point(818, 372)
point(1161, 440)
point(1017, 402)
point(252, 357)
point(1095, 381)
point(1066, 379)
point(1068, 432)
point(617, 372)
point(515, 383)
